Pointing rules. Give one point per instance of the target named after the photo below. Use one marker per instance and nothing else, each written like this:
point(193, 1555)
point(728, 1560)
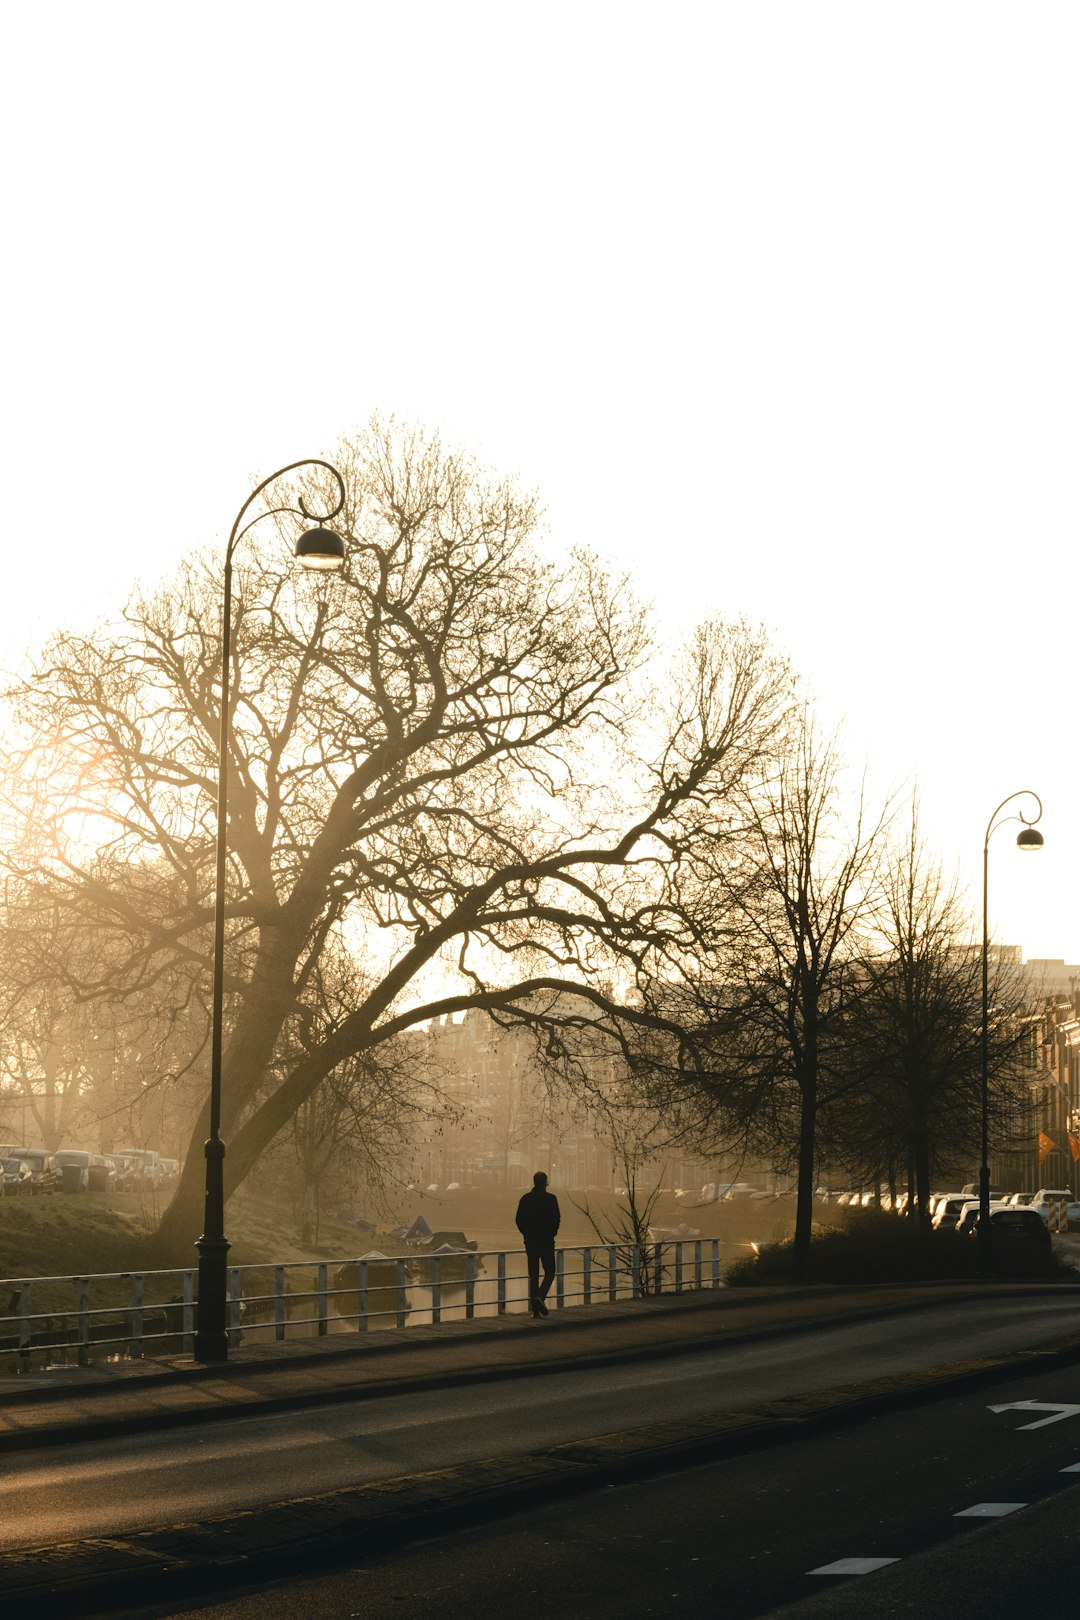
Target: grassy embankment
point(71, 1235)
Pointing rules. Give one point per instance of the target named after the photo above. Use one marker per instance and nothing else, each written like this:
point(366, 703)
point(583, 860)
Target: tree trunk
point(181, 1225)
point(921, 1156)
point(804, 1208)
point(309, 1221)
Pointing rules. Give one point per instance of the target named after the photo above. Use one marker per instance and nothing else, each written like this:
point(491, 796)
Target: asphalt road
point(153, 1478)
point(967, 1513)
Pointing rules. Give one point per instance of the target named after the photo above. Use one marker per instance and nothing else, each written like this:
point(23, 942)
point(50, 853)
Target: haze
point(775, 305)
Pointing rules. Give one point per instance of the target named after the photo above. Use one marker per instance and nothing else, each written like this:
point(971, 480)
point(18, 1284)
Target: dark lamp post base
point(211, 1331)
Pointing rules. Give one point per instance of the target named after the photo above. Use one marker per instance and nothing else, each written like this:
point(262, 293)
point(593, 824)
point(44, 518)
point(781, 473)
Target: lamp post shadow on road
point(1029, 839)
point(321, 550)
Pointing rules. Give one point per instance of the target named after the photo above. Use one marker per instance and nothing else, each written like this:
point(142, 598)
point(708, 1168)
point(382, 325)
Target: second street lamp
point(321, 550)
point(1029, 838)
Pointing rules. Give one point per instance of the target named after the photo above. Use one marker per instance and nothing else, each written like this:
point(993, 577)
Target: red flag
point(1046, 1145)
point(1074, 1146)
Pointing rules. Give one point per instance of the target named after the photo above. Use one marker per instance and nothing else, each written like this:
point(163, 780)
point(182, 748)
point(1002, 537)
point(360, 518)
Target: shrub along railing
point(51, 1321)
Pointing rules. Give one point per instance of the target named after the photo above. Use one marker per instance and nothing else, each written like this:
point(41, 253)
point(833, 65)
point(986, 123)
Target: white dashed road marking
point(989, 1510)
point(1073, 1468)
point(853, 1566)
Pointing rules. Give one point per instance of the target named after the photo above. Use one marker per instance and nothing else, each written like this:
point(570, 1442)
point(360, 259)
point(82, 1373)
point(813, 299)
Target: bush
point(872, 1245)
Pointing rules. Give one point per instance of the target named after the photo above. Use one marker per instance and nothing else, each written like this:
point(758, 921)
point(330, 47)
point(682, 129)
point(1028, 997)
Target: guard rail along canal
point(51, 1321)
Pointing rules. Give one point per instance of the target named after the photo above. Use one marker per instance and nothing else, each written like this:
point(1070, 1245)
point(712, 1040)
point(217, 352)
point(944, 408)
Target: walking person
point(537, 1220)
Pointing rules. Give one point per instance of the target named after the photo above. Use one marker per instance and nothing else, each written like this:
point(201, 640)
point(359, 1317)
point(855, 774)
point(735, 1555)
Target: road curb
point(341, 1525)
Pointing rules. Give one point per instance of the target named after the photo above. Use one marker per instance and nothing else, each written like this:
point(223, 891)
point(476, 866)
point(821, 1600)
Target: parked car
point(18, 1178)
point(73, 1170)
point(123, 1171)
point(42, 1168)
point(947, 1210)
point(146, 1164)
point(79, 1170)
point(1019, 1234)
point(969, 1215)
point(1041, 1201)
point(102, 1173)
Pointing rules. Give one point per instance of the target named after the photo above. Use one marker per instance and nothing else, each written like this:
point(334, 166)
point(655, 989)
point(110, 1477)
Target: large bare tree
point(446, 761)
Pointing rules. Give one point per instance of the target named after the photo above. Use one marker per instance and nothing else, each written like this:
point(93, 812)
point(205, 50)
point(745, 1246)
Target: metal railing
point(51, 1321)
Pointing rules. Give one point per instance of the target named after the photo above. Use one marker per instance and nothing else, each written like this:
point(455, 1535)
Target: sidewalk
point(106, 1399)
point(97, 1402)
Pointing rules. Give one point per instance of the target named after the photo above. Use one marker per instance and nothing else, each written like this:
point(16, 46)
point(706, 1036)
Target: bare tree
point(765, 1054)
point(915, 1029)
point(437, 763)
point(99, 1068)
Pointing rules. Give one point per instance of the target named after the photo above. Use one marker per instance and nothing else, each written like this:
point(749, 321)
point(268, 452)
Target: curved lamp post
point(1028, 838)
point(318, 549)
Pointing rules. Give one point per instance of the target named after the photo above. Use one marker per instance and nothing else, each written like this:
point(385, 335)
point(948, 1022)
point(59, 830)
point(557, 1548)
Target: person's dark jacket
point(537, 1216)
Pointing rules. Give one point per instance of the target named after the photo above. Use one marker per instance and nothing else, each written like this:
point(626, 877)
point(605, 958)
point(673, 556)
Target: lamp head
point(1030, 838)
point(322, 551)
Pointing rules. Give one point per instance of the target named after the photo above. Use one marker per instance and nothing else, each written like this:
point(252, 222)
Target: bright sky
point(775, 303)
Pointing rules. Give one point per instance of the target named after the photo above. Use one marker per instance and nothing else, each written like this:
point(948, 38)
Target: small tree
point(764, 1053)
point(627, 1230)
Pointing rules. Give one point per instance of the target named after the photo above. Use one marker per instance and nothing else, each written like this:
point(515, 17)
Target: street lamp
point(1029, 838)
point(321, 550)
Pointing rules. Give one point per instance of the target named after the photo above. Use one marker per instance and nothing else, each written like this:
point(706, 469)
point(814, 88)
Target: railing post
point(138, 1294)
point(586, 1276)
point(658, 1267)
point(470, 1285)
point(715, 1243)
point(678, 1269)
point(362, 1297)
point(697, 1263)
point(635, 1272)
point(189, 1312)
point(234, 1307)
point(399, 1294)
point(83, 1286)
point(612, 1273)
point(25, 1290)
point(436, 1288)
point(500, 1283)
point(560, 1279)
point(279, 1302)
point(320, 1299)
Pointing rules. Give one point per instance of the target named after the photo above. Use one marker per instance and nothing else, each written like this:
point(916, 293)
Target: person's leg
point(547, 1255)
point(533, 1257)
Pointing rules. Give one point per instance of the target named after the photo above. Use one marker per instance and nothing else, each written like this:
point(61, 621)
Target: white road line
point(853, 1566)
point(1073, 1468)
point(989, 1510)
point(1057, 1410)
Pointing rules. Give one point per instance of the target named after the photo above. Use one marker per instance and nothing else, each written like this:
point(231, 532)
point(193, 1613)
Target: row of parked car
point(29, 1171)
point(960, 1211)
point(948, 1209)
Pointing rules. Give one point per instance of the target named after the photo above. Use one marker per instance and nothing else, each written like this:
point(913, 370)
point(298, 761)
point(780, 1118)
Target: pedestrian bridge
point(56, 1321)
